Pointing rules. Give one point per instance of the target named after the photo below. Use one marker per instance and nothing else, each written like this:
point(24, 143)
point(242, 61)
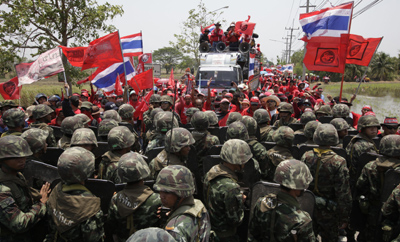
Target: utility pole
point(290, 37)
point(308, 6)
point(286, 51)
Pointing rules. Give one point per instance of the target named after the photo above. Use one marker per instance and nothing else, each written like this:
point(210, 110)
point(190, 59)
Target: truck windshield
point(220, 78)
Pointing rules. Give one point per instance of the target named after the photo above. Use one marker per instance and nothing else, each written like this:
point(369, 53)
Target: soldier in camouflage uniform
point(68, 126)
point(324, 110)
point(36, 139)
point(212, 118)
point(19, 209)
point(190, 112)
point(166, 105)
point(309, 131)
point(304, 119)
point(370, 184)
point(279, 217)
point(126, 111)
point(42, 114)
point(367, 126)
point(162, 121)
point(285, 118)
point(175, 153)
point(233, 117)
point(14, 119)
point(112, 114)
point(151, 235)
point(84, 138)
point(262, 118)
point(74, 212)
point(84, 119)
point(135, 207)
point(390, 213)
point(330, 186)
point(341, 127)
point(150, 125)
point(188, 219)
point(283, 137)
point(222, 193)
point(155, 102)
point(204, 140)
point(120, 141)
point(340, 111)
point(104, 128)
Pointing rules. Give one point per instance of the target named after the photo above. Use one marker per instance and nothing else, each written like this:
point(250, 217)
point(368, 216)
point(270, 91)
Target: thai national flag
point(132, 45)
point(329, 22)
point(211, 28)
point(105, 79)
point(251, 66)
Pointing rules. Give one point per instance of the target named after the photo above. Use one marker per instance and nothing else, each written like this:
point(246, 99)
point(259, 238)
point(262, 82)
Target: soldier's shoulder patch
point(6, 202)
point(169, 228)
point(268, 202)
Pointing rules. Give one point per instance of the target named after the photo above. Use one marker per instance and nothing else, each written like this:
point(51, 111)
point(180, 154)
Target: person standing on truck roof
point(233, 38)
point(204, 36)
point(216, 36)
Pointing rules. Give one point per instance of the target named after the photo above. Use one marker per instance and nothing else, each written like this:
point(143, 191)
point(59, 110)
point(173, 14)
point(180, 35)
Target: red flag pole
point(123, 63)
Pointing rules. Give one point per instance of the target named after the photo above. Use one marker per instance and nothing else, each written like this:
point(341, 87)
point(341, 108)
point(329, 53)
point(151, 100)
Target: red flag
point(142, 81)
point(117, 87)
point(325, 54)
point(171, 81)
point(147, 58)
point(360, 51)
point(140, 65)
point(103, 52)
point(74, 55)
point(245, 27)
point(10, 90)
point(143, 107)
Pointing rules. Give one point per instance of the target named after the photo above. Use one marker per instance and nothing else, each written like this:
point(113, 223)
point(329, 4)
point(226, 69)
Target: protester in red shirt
point(223, 112)
point(233, 38)
point(254, 105)
point(184, 104)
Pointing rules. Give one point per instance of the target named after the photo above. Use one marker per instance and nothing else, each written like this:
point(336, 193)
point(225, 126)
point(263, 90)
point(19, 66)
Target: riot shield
point(37, 172)
point(187, 126)
point(325, 119)
point(346, 140)
point(296, 152)
point(268, 145)
point(299, 139)
point(262, 188)
point(363, 160)
point(98, 152)
point(151, 154)
point(349, 121)
point(220, 132)
point(103, 189)
point(352, 132)
point(214, 150)
point(392, 179)
point(51, 156)
point(94, 128)
point(119, 187)
point(296, 126)
point(128, 125)
point(57, 132)
point(377, 141)
point(304, 148)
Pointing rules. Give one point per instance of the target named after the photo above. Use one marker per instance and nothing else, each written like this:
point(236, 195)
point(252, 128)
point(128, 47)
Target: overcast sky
point(159, 20)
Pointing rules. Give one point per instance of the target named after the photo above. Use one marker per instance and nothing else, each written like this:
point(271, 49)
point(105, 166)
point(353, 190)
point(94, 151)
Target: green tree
point(186, 62)
point(41, 25)
point(188, 40)
point(383, 67)
point(168, 57)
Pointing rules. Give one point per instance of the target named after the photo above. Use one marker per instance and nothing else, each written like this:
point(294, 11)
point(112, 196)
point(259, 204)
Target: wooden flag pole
point(65, 77)
point(341, 88)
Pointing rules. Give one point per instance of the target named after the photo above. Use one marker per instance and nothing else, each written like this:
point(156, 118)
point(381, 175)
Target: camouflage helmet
point(340, 124)
point(340, 111)
point(233, 117)
point(307, 117)
point(75, 165)
point(367, 121)
point(132, 167)
point(286, 107)
point(261, 116)
point(83, 118)
point(390, 145)
point(212, 117)
point(154, 112)
point(120, 137)
point(105, 126)
point(166, 98)
point(310, 128)
point(191, 111)
point(236, 152)
point(83, 136)
point(41, 110)
point(200, 121)
point(326, 134)
point(112, 114)
point(283, 136)
point(151, 235)
point(251, 125)
point(126, 111)
point(155, 98)
point(12, 146)
point(36, 139)
point(237, 130)
point(9, 103)
point(293, 174)
point(175, 179)
point(163, 121)
point(70, 124)
point(324, 109)
point(181, 137)
point(14, 117)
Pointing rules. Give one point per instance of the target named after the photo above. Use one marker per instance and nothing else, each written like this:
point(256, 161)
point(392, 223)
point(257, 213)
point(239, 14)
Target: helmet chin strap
point(178, 202)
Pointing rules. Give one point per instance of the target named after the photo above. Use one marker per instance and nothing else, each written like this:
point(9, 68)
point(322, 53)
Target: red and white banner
point(46, 65)
point(10, 90)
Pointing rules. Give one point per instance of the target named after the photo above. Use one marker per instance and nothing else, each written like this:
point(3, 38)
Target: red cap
point(254, 100)
point(229, 95)
point(201, 94)
point(369, 113)
point(267, 94)
point(85, 94)
point(246, 101)
point(366, 107)
point(390, 121)
point(224, 100)
point(214, 90)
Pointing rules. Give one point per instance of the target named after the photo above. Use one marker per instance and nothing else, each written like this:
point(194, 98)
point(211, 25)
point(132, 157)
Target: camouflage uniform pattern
point(203, 139)
point(126, 111)
point(51, 140)
point(75, 165)
point(83, 136)
point(180, 138)
point(340, 124)
point(112, 114)
point(83, 118)
point(237, 130)
point(307, 117)
point(233, 117)
point(18, 211)
point(163, 121)
point(132, 168)
point(166, 98)
point(293, 174)
point(324, 109)
point(41, 110)
point(148, 118)
point(310, 128)
point(261, 116)
point(120, 137)
point(191, 111)
point(70, 124)
point(14, 117)
point(390, 212)
point(212, 117)
point(251, 125)
point(36, 139)
point(151, 235)
point(285, 107)
point(340, 111)
point(105, 126)
point(200, 121)
point(330, 185)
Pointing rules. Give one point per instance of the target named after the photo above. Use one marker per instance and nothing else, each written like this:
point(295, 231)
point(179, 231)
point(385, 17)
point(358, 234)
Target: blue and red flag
point(132, 45)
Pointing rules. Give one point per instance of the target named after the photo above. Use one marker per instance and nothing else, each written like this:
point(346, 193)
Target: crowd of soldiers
point(168, 197)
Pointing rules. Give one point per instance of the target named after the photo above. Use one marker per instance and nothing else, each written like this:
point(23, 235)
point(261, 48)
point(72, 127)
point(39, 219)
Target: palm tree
point(382, 67)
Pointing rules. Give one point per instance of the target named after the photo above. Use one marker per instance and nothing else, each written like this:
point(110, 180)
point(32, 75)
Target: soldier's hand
point(244, 197)
point(44, 191)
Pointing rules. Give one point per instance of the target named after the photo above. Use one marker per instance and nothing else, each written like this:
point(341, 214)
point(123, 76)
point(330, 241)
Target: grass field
point(371, 89)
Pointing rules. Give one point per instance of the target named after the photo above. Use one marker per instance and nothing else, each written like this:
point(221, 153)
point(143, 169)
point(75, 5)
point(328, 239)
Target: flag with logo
point(245, 27)
point(360, 50)
point(132, 45)
point(46, 65)
point(74, 55)
point(142, 81)
point(10, 90)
